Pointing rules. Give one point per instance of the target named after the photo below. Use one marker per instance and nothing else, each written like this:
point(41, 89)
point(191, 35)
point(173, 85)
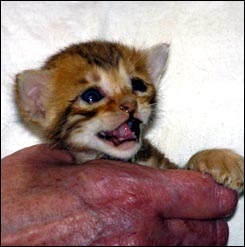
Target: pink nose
point(128, 106)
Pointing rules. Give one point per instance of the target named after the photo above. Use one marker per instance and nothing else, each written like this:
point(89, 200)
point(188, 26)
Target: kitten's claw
point(226, 166)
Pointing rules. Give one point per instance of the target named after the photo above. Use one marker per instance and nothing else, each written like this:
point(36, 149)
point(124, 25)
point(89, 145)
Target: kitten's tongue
point(128, 131)
point(123, 132)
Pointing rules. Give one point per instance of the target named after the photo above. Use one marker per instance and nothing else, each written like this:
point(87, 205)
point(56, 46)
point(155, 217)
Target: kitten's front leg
point(225, 166)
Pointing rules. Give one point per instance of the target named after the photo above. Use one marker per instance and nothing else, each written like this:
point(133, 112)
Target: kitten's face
point(93, 96)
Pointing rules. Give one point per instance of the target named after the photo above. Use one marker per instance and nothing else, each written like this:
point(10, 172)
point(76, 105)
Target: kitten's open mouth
point(126, 132)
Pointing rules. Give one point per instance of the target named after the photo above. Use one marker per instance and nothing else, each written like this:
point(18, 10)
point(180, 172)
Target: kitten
point(96, 100)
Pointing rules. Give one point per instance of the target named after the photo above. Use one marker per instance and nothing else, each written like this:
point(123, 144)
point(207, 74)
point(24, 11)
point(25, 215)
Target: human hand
point(46, 200)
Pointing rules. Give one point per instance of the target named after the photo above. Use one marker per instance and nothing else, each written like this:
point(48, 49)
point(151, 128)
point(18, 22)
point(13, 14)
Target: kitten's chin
point(125, 150)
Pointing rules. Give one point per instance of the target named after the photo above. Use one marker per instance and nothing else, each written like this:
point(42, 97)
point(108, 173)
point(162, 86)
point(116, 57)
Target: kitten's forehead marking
point(114, 81)
point(94, 76)
point(102, 54)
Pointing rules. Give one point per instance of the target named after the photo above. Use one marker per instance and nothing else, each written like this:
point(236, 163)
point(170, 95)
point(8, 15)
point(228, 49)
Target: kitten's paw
point(226, 166)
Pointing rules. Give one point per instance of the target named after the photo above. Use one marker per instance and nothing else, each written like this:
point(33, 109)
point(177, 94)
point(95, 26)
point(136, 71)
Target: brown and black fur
point(56, 110)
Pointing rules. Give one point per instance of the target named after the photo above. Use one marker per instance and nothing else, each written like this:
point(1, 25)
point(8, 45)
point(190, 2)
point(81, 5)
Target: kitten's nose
point(128, 105)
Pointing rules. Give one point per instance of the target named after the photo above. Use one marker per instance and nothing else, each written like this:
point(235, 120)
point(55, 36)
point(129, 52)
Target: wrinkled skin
point(46, 200)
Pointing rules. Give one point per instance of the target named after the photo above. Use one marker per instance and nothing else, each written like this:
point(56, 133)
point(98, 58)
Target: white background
point(201, 98)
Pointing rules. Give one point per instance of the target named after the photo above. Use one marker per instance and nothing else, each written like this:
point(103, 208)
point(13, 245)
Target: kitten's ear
point(31, 86)
point(157, 57)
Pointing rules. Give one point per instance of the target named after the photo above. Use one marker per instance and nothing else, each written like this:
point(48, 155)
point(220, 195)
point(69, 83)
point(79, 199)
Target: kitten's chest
point(81, 157)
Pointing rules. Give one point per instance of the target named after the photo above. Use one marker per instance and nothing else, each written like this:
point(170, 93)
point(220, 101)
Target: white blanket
point(201, 99)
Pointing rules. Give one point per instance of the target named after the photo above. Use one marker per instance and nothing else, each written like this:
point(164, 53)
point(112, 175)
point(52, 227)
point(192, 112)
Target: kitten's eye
point(92, 95)
point(138, 85)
